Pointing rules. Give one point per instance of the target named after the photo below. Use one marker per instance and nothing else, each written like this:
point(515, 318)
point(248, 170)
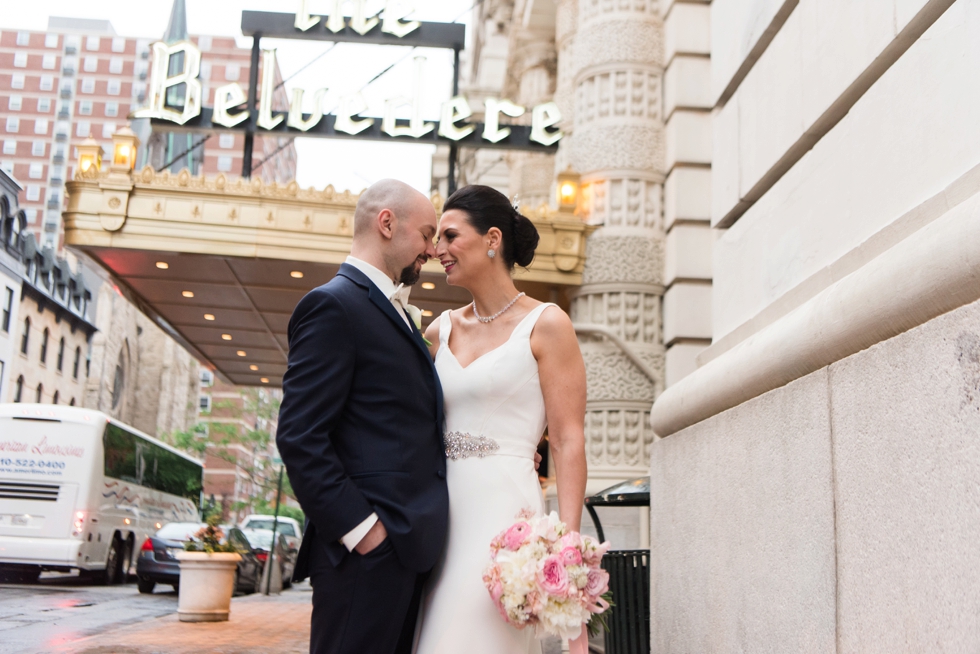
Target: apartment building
point(78, 80)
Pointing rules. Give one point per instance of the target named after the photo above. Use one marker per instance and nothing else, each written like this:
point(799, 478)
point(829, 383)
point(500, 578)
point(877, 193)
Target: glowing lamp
point(569, 183)
point(124, 145)
point(89, 158)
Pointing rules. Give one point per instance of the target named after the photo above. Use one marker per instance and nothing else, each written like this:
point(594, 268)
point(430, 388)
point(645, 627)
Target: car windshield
point(283, 528)
point(179, 530)
point(258, 538)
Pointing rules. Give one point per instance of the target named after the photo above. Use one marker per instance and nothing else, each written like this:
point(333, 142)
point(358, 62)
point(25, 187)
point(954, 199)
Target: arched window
point(26, 337)
point(78, 359)
point(119, 381)
point(54, 400)
point(61, 354)
point(44, 345)
point(72, 403)
point(19, 389)
point(40, 393)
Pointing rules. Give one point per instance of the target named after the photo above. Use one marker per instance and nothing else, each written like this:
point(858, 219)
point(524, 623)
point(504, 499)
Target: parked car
point(288, 527)
point(157, 563)
point(261, 540)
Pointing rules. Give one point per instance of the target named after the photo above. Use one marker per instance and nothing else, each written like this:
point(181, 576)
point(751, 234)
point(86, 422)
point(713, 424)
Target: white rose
point(415, 314)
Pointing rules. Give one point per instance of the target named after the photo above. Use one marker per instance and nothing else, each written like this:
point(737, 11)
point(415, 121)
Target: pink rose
point(598, 582)
point(571, 556)
point(553, 577)
point(517, 535)
point(571, 539)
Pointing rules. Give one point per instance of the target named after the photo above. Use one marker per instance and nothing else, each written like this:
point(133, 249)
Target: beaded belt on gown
point(462, 445)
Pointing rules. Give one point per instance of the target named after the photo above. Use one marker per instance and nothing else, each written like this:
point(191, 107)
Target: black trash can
point(628, 621)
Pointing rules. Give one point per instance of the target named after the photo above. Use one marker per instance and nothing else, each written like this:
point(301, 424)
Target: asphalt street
point(61, 609)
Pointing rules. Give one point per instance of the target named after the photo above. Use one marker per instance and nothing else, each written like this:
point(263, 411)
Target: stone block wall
point(834, 514)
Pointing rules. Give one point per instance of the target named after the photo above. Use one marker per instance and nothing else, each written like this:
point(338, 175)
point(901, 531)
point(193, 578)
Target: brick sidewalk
point(257, 625)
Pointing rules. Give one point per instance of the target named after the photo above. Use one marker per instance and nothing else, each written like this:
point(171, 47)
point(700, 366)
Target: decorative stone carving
point(628, 258)
point(619, 95)
point(626, 203)
point(612, 147)
point(613, 378)
point(634, 316)
point(620, 438)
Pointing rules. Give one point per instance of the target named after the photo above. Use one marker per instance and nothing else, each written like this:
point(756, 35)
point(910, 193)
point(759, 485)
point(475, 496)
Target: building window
point(88, 85)
point(23, 38)
point(40, 393)
point(8, 308)
point(13, 124)
point(72, 403)
point(111, 109)
point(25, 339)
point(224, 163)
point(204, 43)
point(19, 389)
point(207, 378)
point(20, 60)
point(57, 395)
point(41, 126)
point(61, 354)
point(48, 62)
point(118, 44)
point(47, 82)
point(92, 43)
point(113, 87)
point(205, 404)
point(44, 346)
point(36, 171)
point(17, 81)
point(233, 72)
point(78, 359)
point(10, 146)
point(108, 130)
point(119, 381)
point(116, 65)
point(37, 148)
point(33, 193)
point(85, 107)
point(50, 40)
point(226, 141)
point(15, 103)
point(91, 64)
point(205, 70)
point(43, 105)
point(83, 128)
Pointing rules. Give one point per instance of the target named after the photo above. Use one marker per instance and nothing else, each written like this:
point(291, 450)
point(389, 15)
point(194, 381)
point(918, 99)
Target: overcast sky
point(345, 69)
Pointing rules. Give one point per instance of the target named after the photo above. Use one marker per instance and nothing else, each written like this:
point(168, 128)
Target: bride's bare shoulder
point(553, 329)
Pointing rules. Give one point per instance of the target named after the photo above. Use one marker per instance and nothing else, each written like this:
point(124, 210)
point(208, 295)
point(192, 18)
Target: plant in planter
point(207, 575)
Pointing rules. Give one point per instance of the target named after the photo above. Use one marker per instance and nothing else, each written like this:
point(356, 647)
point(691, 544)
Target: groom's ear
point(386, 223)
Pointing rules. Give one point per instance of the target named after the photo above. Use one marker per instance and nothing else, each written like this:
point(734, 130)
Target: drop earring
point(491, 253)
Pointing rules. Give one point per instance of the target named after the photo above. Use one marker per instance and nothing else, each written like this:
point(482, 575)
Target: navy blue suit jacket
point(360, 426)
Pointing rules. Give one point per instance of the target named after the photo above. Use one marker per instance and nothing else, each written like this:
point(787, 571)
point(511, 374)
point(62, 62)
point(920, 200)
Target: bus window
point(120, 454)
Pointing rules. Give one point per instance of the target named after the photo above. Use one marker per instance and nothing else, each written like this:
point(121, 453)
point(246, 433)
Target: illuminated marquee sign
point(390, 27)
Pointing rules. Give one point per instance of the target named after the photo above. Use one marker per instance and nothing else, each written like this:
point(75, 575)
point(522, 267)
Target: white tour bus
point(81, 490)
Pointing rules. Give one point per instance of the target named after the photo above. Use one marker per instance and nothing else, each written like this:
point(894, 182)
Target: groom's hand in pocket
point(372, 539)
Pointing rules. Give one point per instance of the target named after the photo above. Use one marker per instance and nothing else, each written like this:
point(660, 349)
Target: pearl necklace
point(496, 315)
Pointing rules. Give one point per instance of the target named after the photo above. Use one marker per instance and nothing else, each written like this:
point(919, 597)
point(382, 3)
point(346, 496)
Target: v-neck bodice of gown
point(498, 395)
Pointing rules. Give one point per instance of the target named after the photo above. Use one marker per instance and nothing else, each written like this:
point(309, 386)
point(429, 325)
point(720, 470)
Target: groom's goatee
point(409, 275)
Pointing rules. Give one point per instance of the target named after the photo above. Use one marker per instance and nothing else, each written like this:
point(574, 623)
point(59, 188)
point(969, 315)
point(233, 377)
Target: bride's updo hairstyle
point(486, 207)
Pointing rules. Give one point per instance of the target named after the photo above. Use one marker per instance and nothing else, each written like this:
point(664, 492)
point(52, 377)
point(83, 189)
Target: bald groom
point(360, 433)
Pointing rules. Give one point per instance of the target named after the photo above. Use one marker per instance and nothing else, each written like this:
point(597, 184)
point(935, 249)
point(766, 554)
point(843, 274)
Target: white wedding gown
point(494, 407)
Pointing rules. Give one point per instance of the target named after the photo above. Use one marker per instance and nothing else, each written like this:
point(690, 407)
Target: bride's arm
point(562, 373)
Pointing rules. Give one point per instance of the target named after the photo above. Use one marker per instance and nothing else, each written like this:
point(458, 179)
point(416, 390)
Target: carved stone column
point(618, 147)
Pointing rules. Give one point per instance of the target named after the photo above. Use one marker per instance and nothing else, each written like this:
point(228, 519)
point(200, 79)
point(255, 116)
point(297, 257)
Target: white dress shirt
point(386, 286)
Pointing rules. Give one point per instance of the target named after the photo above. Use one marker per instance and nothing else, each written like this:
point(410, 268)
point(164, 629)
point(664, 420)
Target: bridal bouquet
point(543, 575)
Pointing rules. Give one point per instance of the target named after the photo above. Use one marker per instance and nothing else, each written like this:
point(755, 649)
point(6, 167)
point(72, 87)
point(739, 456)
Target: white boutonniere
point(416, 315)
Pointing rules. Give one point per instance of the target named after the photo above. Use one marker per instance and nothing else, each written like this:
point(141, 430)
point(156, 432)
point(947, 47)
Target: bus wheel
point(113, 563)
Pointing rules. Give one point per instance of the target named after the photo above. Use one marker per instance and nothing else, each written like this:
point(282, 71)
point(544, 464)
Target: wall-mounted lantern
point(569, 184)
point(124, 146)
point(89, 158)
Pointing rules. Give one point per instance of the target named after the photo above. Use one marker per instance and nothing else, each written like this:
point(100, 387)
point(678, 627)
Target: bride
point(509, 366)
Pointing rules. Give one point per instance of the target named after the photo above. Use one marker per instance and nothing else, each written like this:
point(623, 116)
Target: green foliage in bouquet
point(597, 623)
point(208, 538)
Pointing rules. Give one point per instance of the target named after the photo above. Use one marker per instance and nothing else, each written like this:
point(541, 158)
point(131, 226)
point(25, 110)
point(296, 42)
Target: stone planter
point(206, 585)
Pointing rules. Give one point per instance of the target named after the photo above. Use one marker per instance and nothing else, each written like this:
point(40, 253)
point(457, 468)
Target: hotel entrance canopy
point(220, 263)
